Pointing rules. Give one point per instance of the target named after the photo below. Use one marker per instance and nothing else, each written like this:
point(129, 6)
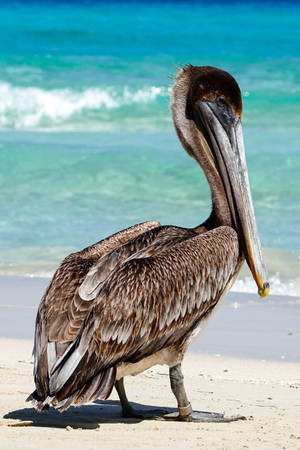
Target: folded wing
point(139, 304)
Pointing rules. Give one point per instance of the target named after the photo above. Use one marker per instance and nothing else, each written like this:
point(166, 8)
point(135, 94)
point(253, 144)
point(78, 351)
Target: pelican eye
point(223, 111)
point(221, 102)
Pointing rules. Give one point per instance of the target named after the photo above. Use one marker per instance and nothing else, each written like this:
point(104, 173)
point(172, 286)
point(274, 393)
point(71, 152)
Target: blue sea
point(87, 145)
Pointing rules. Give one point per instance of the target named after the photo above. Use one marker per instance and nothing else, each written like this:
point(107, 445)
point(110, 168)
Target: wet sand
point(244, 326)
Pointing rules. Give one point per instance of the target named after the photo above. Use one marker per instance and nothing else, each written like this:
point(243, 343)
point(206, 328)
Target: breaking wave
point(277, 285)
point(92, 108)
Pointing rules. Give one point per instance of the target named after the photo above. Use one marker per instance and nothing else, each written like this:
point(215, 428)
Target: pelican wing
point(145, 245)
point(61, 312)
point(61, 307)
point(146, 304)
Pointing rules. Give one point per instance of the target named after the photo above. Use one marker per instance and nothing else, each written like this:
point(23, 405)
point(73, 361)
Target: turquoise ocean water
point(87, 145)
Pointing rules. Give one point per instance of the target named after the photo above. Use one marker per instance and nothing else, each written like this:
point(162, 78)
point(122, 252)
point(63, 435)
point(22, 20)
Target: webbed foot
point(193, 416)
point(148, 414)
point(202, 416)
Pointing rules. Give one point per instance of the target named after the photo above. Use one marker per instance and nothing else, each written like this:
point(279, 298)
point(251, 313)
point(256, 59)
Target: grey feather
point(62, 374)
point(51, 356)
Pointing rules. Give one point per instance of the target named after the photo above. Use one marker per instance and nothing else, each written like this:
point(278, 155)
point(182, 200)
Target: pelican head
point(207, 109)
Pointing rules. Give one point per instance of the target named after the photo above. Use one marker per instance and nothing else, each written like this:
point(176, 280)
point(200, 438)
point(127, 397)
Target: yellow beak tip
point(265, 290)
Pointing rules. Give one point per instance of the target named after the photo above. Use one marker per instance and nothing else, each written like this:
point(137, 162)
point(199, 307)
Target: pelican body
point(142, 295)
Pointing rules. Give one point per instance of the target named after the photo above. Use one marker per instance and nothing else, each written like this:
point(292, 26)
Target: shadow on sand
point(85, 417)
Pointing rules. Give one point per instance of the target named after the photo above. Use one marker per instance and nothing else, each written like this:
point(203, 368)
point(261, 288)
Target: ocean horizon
point(87, 145)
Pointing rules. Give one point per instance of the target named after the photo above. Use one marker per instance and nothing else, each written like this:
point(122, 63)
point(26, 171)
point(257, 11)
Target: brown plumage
point(141, 296)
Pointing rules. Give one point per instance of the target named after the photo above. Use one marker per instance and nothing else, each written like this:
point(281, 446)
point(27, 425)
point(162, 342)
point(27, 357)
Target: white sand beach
point(247, 362)
point(267, 393)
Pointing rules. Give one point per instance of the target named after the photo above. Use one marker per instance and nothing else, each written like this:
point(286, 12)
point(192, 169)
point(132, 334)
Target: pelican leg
point(185, 411)
point(177, 386)
point(128, 411)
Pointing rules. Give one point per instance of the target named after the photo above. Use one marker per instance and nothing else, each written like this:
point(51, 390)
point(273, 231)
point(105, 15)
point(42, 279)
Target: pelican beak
point(222, 130)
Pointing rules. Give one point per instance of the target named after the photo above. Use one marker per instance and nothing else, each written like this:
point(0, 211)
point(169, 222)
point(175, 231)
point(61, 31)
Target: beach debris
point(290, 334)
point(24, 423)
point(293, 436)
point(69, 428)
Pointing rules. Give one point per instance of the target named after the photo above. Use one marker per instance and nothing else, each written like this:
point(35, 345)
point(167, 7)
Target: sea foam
point(278, 286)
point(36, 108)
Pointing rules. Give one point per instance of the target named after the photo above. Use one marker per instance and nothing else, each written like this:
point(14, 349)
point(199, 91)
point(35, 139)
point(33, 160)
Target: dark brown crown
point(208, 82)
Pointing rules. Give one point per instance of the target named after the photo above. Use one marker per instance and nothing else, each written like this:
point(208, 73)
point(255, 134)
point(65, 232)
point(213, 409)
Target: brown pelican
point(141, 296)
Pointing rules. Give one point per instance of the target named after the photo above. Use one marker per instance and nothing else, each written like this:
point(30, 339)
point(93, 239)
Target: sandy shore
point(267, 393)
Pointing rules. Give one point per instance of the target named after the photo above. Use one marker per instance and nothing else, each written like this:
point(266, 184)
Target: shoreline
point(266, 392)
point(245, 326)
